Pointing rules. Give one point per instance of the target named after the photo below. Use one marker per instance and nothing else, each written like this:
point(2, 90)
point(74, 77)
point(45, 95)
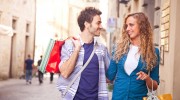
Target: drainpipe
point(34, 28)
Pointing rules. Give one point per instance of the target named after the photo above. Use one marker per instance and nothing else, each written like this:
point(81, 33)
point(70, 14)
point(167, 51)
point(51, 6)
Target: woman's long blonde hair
point(146, 48)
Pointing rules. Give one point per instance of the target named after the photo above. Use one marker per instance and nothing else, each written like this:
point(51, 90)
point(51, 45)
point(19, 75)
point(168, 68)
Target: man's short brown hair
point(87, 15)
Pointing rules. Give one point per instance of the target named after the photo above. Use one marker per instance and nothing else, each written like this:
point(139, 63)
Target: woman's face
point(132, 28)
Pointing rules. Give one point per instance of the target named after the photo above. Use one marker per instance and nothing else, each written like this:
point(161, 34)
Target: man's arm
point(68, 66)
point(25, 67)
point(107, 61)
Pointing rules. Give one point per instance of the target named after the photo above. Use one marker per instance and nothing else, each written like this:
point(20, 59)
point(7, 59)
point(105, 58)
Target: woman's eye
point(131, 24)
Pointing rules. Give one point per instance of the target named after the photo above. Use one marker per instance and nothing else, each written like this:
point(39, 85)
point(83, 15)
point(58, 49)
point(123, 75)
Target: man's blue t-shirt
point(88, 86)
point(29, 63)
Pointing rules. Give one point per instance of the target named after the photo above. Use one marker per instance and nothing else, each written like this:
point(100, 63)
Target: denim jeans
point(40, 76)
point(28, 75)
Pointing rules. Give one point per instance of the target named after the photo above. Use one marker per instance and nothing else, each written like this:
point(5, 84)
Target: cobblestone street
point(16, 89)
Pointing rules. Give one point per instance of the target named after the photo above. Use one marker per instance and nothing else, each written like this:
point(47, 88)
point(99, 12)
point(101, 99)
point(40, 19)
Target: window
point(27, 27)
point(14, 23)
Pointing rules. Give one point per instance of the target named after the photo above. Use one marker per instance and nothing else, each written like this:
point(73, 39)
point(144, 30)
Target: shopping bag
point(165, 97)
point(162, 97)
point(51, 58)
point(54, 57)
point(46, 55)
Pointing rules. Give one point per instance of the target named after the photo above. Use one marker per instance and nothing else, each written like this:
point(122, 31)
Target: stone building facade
point(59, 21)
point(18, 15)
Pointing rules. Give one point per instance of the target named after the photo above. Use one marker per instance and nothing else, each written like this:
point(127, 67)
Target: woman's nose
point(127, 28)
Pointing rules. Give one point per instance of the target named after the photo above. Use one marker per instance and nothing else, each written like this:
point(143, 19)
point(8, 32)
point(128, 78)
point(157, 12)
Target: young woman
point(133, 57)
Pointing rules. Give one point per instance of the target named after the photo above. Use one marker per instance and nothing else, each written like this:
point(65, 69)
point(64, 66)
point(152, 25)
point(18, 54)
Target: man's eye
point(98, 23)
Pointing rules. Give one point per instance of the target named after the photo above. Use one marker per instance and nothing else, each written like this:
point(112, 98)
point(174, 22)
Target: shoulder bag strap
point(78, 74)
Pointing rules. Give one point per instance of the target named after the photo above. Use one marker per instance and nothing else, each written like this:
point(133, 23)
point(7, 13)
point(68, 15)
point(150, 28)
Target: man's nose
point(100, 26)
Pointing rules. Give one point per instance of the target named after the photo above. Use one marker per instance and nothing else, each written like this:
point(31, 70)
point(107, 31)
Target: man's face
point(95, 26)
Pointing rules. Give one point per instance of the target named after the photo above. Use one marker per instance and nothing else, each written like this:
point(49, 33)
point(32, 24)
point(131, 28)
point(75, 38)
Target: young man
point(91, 85)
point(29, 67)
point(40, 74)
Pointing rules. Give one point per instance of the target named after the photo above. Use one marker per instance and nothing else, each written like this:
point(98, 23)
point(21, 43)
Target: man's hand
point(77, 44)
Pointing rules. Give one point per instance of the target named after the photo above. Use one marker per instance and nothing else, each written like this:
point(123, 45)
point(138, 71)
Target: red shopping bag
point(54, 58)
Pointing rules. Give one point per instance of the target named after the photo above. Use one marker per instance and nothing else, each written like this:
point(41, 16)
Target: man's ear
point(86, 24)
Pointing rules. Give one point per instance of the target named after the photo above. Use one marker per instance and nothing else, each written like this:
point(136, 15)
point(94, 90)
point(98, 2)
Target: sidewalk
point(16, 89)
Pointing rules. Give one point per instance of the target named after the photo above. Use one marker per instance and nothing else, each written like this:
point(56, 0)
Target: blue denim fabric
point(28, 75)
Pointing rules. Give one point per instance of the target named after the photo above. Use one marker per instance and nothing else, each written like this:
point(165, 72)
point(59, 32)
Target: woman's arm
point(112, 70)
point(154, 74)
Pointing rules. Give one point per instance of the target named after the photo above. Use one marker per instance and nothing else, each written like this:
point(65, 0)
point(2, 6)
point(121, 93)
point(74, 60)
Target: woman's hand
point(142, 76)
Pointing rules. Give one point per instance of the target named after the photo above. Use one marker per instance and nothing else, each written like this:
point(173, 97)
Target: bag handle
point(151, 94)
point(78, 74)
point(151, 81)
